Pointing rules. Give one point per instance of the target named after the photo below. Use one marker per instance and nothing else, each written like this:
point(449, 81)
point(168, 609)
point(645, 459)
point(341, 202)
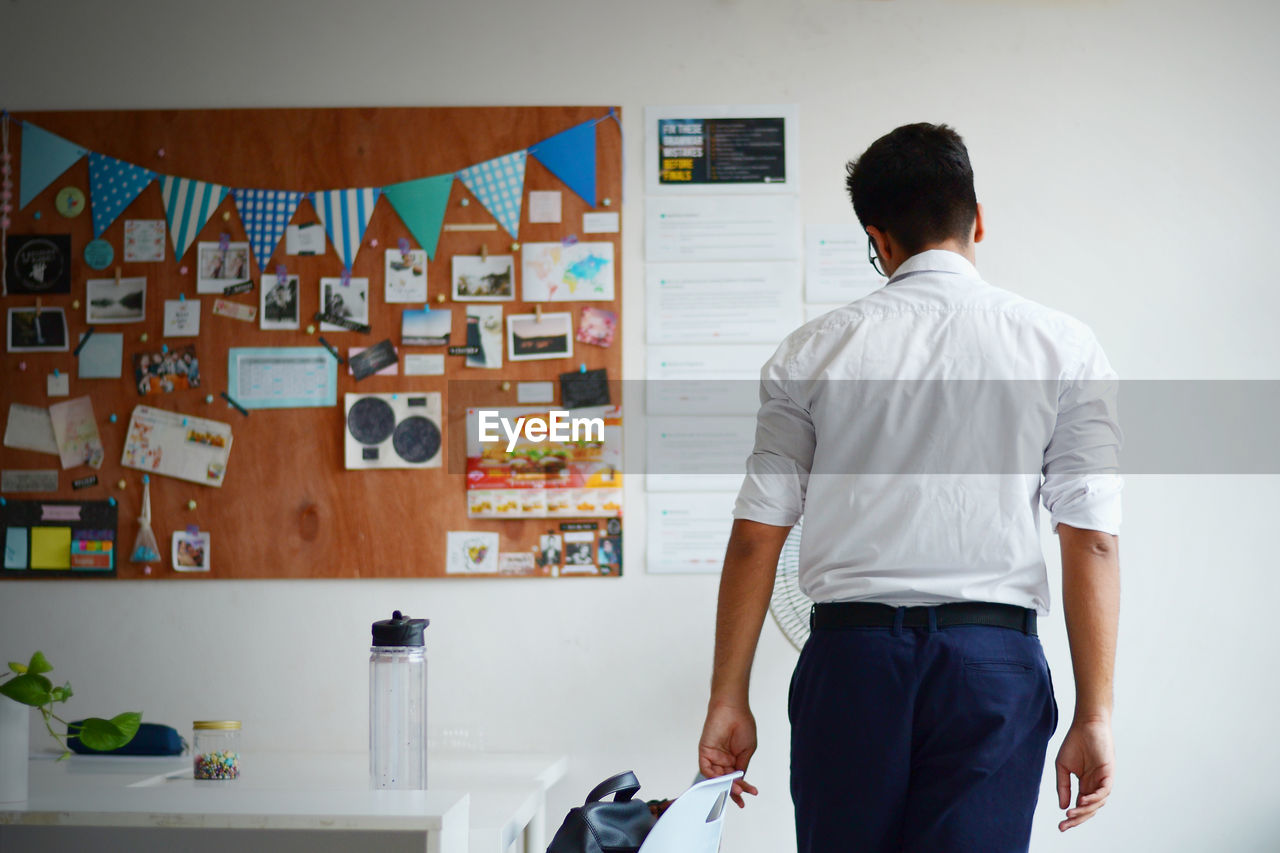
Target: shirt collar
point(935, 260)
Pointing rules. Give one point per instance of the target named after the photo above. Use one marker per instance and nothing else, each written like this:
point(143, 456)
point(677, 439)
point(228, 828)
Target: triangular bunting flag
point(499, 184)
point(44, 157)
point(265, 214)
point(113, 184)
point(571, 157)
point(421, 205)
point(345, 214)
point(188, 204)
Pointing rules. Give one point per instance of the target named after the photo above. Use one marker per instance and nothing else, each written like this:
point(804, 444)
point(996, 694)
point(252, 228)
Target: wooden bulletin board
point(288, 508)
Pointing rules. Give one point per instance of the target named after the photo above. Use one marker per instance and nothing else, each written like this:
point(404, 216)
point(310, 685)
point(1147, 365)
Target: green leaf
point(17, 667)
point(105, 735)
point(29, 689)
point(60, 694)
point(39, 663)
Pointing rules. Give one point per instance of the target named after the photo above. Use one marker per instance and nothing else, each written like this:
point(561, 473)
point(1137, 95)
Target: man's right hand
point(727, 744)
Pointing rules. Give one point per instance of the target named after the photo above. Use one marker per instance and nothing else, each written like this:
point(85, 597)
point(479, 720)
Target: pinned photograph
point(406, 276)
point(426, 328)
point(610, 551)
point(280, 305)
point(346, 302)
point(221, 268)
point(531, 337)
point(480, 279)
point(190, 551)
point(550, 549)
point(596, 326)
point(107, 301)
point(42, 330)
point(578, 552)
point(159, 372)
point(484, 335)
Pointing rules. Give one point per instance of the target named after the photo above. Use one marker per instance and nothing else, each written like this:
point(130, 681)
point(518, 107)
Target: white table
point(476, 803)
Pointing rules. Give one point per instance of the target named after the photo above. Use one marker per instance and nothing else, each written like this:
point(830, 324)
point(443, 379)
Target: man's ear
point(881, 239)
point(978, 230)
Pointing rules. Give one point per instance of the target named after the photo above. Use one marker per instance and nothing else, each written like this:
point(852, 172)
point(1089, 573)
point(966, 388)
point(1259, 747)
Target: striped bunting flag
point(188, 204)
point(265, 214)
point(345, 214)
point(499, 184)
point(113, 185)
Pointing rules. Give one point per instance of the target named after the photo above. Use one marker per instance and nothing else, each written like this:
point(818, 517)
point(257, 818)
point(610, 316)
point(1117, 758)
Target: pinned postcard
point(58, 384)
point(533, 336)
point(38, 263)
point(554, 272)
point(30, 428)
point(406, 276)
point(304, 239)
point(165, 371)
point(143, 240)
point(544, 206)
point(221, 265)
point(181, 318)
point(37, 330)
point(280, 302)
point(471, 552)
point(108, 300)
point(100, 356)
point(518, 563)
point(190, 551)
point(482, 279)
point(379, 359)
point(596, 326)
point(426, 328)
point(345, 301)
point(606, 222)
point(181, 446)
point(423, 364)
point(76, 431)
point(484, 333)
point(234, 310)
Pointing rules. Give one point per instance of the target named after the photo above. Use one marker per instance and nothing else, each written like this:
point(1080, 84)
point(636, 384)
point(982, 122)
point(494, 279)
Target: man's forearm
point(1091, 602)
point(746, 584)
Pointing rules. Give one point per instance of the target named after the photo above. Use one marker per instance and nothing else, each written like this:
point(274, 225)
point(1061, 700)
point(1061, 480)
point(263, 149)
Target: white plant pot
point(15, 734)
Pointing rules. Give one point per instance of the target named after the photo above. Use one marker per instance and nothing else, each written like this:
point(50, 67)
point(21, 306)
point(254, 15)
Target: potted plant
point(28, 686)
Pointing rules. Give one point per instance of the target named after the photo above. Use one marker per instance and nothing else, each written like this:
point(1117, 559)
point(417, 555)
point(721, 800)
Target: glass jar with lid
point(217, 749)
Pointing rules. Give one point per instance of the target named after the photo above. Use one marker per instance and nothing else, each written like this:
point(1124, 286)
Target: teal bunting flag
point(421, 207)
point(45, 156)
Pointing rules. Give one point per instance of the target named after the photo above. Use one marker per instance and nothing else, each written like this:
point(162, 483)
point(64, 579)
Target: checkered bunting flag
point(345, 214)
point(499, 184)
point(265, 214)
point(188, 204)
point(113, 185)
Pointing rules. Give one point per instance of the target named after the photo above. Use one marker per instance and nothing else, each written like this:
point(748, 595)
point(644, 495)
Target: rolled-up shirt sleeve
point(778, 468)
point(1082, 482)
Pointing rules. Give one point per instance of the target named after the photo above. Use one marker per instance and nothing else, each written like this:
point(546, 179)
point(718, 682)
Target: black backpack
point(615, 826)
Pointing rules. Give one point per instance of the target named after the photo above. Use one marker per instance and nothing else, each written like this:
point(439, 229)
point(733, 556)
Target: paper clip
point(282, 275)
point(193, 530)
point(87, 334)
point(346, 276)
point(330, 347)
point(224, 242)
point(537, 312)
point(484, 251)
point(39, 307)
point(117, 276)
point(405, 256)
point(569, 240)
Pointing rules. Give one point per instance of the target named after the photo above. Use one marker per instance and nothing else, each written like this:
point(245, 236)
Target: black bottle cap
point(399, 630)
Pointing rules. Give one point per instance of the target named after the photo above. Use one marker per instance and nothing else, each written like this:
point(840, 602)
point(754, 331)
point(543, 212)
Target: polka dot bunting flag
point(113, 185)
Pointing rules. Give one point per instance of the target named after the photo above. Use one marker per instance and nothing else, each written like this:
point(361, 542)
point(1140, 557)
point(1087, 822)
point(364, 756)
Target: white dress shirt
point(917, 430)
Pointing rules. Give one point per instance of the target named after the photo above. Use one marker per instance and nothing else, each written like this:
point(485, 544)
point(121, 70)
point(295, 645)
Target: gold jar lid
point(217, 725)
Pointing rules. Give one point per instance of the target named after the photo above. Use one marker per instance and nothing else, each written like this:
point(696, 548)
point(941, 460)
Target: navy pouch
point(151, 739)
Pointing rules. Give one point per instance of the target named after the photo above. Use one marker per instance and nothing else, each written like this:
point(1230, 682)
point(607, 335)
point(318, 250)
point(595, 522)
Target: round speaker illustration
point(371, 421)
point(417, 439)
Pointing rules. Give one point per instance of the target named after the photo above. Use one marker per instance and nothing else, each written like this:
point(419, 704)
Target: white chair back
point(693, 823)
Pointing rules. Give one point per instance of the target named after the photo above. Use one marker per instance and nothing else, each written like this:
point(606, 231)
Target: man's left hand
point(1088, 754)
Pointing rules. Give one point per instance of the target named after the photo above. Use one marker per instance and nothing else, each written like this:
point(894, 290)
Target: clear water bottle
point(398, 704)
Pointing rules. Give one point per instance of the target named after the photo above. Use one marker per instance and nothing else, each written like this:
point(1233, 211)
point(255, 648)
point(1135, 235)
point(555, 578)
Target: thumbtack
point(38, 214)
point(184, 421)
point(164, 348)
point(607, 202)
point(143, 337)
point(182, 297)
point(55, 371)
point(515, 247)
point(146, 478)
point(121, 485)
point(582, 368)
point(374, 242)
point(160, 153)
point(75, 303)
point(146, 570)
point(465, 202)
point(22, 365)
point(208, 398)
point(191, 504)
point(226, 216)
point(439, 297)
point(113, 418)
point(3, 502)
point(311, 328)
point(111, 501)
point(182, 270)
point(506, 386)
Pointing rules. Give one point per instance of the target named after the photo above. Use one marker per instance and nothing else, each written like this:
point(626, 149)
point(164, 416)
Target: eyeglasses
point(873, 257)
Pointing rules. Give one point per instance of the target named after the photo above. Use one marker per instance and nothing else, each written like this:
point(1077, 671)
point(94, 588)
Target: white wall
point(1124, 153)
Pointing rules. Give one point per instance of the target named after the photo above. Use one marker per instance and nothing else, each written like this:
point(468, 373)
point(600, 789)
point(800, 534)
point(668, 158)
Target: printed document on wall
point(836, 268)
point(702, 380)
point(721, 303)
point(688, 531)
point(722, 228)
point(697, 454)
point(725, 148)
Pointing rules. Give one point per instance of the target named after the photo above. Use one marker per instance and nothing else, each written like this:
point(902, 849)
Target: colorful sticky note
point(15, 548)
point(50, 547)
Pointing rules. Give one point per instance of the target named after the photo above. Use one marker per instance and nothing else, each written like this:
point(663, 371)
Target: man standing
point(917, 429)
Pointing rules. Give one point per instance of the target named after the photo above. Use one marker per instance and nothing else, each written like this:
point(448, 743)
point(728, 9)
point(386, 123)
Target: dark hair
point(916, 184)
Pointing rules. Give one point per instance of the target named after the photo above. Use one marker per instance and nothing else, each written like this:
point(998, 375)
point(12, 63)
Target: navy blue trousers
point(913, 739)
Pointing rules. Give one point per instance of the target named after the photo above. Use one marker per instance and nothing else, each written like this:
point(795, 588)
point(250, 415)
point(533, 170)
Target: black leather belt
point(867, 614)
